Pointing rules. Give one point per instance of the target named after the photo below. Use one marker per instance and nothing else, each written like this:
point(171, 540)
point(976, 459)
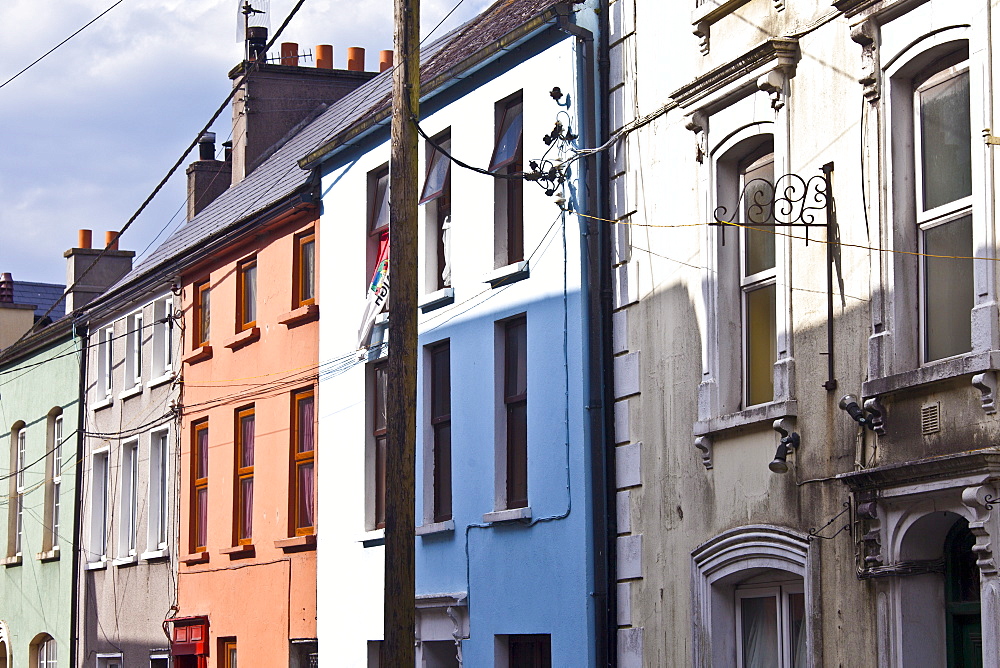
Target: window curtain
point(306, 504)
point(306, 417)
point(760, 632)
point(247, 428)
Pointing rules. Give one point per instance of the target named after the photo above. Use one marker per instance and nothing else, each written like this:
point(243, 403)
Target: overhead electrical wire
point(44, 55)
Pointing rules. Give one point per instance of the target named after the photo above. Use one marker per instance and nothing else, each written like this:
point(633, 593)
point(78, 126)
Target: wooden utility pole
point(401, 399)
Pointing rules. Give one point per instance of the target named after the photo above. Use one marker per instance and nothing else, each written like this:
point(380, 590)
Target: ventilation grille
point(930, 418)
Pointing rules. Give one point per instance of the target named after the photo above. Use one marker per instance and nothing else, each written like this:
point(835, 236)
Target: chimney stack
point(15, 319)
point(107, 270)
point(356, 59)
point(290, 54)
point(6, 288)
point(384, 60)
point(207, 177)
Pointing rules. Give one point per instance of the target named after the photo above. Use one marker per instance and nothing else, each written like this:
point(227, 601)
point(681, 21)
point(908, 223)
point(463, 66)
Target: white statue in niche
point(446, 249)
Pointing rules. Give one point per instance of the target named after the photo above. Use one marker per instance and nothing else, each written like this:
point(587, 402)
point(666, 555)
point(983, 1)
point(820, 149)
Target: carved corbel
point(703, 30)
point(697, 126)
point(871, 539)
point(773, 83)
point(986, 383)
point(980, 500)
point(456, 633)
point(875, 413)
point(704, 443)
point(866, 34)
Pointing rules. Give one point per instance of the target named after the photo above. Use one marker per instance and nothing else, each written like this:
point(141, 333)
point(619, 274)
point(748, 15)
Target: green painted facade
point(39, 386)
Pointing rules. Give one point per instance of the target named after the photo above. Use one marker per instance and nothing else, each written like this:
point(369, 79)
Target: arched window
point(43, 652)
point(15, 487)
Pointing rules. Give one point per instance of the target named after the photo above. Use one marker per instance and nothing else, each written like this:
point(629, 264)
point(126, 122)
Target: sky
point(88, 132)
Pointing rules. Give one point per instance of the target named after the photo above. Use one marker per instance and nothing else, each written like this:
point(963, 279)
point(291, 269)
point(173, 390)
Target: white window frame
point(107, 359)
point(780, 592)
point(163, 327)
point(47, 653)
point(57, 462)
point(159, 656)
point(109, 661)
point(99, 488)
point(133, 366)
point(19, 487)
point(158, 514)
point(129, 499)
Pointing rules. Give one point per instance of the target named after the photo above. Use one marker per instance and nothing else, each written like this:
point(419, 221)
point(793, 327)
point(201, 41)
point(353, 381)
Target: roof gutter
point(441, 82)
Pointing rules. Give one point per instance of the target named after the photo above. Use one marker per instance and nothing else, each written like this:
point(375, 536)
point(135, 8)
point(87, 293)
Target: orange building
point(247, 575)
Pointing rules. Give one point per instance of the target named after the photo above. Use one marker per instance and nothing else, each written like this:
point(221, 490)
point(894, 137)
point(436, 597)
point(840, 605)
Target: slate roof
point(42, 296)
point(280, 175)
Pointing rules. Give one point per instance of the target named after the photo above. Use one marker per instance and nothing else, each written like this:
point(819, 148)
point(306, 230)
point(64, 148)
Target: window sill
point(435, 527)
point(510, 515)
point(300, 316)
point(155, 555)
point(128, 394)
point(99, 565)
point(106, 402)
point(512, 273)
point(198, 355)
point(49, 555)
point(965, 365)
point(375, 538)
point(713, 10)
point(769, 412)
point(130, 560)
point(162, 380)
point(297, 544)
point(437, 299)
point(11, 561)
point(244, 338)
point(195, 559)
point(239, 551)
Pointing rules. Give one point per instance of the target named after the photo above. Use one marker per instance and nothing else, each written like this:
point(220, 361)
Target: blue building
point(512, 508)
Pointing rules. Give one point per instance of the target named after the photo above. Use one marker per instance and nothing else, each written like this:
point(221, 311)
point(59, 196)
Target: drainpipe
point(598, 305)
point(74, 605)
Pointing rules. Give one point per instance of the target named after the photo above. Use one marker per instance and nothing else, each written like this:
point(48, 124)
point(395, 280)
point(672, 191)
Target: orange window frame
point(202, 313)
point(302, 268)
point(229, 654)
point(199, 477)
point(301, 458)
point(243, 521)
point(379, 437)
point(246, 311)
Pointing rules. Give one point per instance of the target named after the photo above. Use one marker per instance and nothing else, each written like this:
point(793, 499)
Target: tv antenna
point(251, 13)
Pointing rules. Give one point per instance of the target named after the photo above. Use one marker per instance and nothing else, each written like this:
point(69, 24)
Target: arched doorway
point(963, 623)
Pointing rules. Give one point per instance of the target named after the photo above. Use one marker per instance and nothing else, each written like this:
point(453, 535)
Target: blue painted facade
point(484, 575)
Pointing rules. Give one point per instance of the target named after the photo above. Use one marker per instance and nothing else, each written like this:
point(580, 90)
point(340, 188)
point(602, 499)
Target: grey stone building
point(758, 522)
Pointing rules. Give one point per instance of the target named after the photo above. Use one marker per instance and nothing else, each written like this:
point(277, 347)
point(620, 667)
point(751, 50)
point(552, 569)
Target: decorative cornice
point(981, 462)
point(852, 7)
point(784, 51)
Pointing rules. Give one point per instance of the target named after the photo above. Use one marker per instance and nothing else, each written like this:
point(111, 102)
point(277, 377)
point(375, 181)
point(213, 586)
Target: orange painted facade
point(248, 523)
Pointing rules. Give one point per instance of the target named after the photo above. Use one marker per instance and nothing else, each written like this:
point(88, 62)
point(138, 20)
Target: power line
point(40, 58)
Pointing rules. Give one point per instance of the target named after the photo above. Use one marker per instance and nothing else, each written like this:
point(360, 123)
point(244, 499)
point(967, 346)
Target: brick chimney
point(15, 319)
point(112, 266)
point(207, 177)
point(274, 98)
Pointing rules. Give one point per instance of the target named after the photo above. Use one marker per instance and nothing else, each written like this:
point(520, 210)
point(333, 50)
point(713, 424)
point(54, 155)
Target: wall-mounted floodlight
point(788, 444)
point(849, 403)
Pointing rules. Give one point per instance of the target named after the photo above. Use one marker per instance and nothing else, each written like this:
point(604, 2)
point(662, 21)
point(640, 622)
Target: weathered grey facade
point(127, 561)
point(875, 547)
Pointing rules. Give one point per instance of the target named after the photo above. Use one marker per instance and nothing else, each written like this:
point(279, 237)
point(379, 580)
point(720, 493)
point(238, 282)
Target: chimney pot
point(206, 146)
point(290, 54)
point(85, 239)
point(111, 240)
point(324, 56)
point(356, 59)
point(6, 288)
point(384, 60)
point(256, 43)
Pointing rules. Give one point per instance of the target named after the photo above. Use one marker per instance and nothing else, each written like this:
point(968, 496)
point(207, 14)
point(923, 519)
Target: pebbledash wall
point(482, 576)
point(40, 388)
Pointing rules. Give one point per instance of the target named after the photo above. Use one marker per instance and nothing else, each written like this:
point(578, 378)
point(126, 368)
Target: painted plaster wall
point(521, 579)
point(669, 503)
point(269, 597)
point(35, 596)
point(123, 598)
